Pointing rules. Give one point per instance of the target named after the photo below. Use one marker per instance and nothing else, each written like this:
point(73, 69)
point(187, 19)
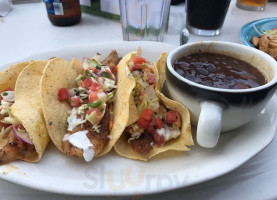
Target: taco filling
point(19, 145)
point(156, 124)
point(91, 118)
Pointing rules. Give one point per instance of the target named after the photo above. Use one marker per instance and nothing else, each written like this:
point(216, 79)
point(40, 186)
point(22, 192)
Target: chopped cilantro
point(87, 73)
point(4, 94)
point(97, 67)
point(106, 74)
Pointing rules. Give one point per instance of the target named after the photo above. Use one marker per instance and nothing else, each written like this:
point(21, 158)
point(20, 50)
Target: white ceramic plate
point(114, 175)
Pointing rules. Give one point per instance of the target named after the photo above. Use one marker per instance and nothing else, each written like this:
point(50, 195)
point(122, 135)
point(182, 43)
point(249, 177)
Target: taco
point(81, 104)
point(23, 133)
point(158, 124)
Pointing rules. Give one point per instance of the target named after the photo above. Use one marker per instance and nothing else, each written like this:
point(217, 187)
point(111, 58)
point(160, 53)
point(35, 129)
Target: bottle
point(63, 12)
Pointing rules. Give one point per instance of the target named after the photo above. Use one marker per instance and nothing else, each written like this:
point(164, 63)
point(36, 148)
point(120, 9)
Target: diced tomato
point(63, 94)
point(86, 83)
point(113, 68)
point(94, 86)
point(138, 60)
point(76, 101)
point(109, 72)
point(93, 97)
point(159, 139)
point(98, 113)
point(93, 69)
point(146, 114)
point(171, 117)
point(151, 127)
point(136, 67)
point(150, 78)
point(143, 123)
point(159, 122)
point(274, 29)
point(145, 118)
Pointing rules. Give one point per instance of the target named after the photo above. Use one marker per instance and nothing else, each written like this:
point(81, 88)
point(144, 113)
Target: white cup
point(215, 110)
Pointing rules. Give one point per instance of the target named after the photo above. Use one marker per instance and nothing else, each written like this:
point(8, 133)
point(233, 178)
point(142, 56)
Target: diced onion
point(94, 75)
point(72, 92)
point(102, 95)
point(136, 73)
point(85, 63)
point(9, 96)
point(101, 80)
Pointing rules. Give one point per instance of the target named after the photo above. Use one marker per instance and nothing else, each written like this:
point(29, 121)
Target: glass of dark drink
point(206, 17)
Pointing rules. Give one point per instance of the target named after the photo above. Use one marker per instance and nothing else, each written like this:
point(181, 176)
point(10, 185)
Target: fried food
point(266, 43)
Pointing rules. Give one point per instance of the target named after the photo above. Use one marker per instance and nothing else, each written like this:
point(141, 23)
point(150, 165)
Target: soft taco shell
point(123, 148)
point(27, 107)
point(8, 79)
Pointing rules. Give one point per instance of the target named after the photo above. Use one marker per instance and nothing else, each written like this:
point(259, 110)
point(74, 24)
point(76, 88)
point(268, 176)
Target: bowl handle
point(209, 124)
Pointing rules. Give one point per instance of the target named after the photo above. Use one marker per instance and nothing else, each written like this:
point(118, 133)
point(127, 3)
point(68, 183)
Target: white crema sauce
point(169, 133)
point(81, 141)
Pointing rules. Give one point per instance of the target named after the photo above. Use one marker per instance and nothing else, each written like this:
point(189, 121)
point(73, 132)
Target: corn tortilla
point(27, 107)
point(123, 148)
point(59, 73)
point(8, 79)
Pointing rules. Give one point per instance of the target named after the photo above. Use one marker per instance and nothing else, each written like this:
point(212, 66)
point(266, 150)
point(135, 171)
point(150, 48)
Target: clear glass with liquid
point(144, 19)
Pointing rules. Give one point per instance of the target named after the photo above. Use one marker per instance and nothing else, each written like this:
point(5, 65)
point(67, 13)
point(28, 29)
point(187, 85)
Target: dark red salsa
point(219, 71)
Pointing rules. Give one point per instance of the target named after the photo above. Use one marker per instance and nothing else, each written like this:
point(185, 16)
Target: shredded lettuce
point(5, 108)
point(73, 121)
point(108, 84)
point(270, 33)
point(82, 108)
point(110, 95)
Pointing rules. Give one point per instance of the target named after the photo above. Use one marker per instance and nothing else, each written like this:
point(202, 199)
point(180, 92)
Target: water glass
point(144, 19)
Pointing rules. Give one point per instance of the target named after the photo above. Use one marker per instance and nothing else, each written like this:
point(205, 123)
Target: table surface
point(26, 30)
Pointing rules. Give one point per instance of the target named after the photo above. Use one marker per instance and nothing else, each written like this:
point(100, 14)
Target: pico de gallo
point(156, 124)
point(91, 101)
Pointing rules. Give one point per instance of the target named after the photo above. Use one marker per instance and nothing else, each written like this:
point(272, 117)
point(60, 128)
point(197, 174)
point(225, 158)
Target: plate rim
point(242, 29)
point(103, 193)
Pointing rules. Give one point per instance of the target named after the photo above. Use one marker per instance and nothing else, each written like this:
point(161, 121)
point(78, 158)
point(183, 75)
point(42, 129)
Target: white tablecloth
point(26, 30)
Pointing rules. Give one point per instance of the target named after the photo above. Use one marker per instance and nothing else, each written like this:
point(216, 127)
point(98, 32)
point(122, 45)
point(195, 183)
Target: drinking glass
point(253, 5)
point(206, 17)
point(144, 19)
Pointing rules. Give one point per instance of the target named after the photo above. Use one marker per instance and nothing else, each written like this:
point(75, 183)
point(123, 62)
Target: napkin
point(5, 7)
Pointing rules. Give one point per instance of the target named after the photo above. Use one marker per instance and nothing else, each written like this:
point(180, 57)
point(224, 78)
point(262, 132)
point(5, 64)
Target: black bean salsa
point(220, 71)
